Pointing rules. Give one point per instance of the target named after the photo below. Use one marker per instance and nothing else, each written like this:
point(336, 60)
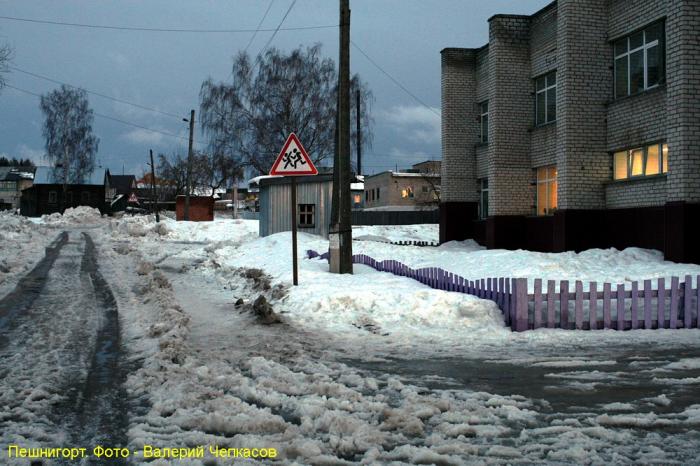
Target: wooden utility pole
point(153, 188)
point(341, 237)
point(189, 168)
point(359, 133)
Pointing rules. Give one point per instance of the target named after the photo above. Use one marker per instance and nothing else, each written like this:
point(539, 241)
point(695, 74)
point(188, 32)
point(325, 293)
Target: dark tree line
point(13, 162)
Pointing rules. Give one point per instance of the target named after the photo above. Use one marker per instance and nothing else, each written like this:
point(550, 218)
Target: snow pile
point(194, 232)
point(73, 216)
point(380, 303)
point(472, 261)
point(426, 232)
point(22, 245)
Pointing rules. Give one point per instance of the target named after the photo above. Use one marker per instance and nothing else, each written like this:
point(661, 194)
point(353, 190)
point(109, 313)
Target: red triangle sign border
point(311, 170)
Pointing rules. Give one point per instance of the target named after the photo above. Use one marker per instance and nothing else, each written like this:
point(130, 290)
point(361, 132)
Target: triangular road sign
point(133, 199)
point(293, 160)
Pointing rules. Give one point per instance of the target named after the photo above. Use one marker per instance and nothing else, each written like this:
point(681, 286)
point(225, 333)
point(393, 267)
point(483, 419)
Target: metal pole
point(153, 188)
point(189, 168)
point(359, 133)
point(295, 273)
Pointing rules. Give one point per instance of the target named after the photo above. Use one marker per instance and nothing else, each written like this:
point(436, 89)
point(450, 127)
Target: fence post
point(673, 319)
point(564, 304)
point(621, 306)
point(688, 303)
point(521, 305)
point(661, 303)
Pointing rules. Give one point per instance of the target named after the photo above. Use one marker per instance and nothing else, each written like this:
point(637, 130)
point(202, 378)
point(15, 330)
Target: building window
point(483, 198)
point(644, 161)
point(366, 196)
point(357, 199)
point(407, 192)
point(8, 186)
point(377, 193)
point(306, 215)
point(546, 190)
point(425, 189)
point(53, 197)
point(484, 122)
point(639, 61)
point(85, 197)
point(546, 98)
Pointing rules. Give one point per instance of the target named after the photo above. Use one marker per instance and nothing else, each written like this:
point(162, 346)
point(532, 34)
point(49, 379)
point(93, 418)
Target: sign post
point(293, 161)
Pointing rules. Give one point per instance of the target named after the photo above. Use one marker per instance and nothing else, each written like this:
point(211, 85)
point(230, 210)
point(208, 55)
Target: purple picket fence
point(674, 306)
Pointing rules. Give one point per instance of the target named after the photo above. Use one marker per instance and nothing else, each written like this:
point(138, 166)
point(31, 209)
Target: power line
point(107, 117)
point(151, 29)
point(104, 96)
point(394, 80)
point(262, 20)
point(279, 26)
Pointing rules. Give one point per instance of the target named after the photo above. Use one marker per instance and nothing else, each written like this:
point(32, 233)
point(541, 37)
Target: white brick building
point(576, 127)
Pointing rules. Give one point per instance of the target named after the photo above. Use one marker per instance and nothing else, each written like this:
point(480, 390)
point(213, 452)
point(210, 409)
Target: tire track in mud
point(97, 413)
point(28, 289)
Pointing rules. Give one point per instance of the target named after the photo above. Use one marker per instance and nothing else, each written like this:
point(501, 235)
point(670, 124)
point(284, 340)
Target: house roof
point(45, 175)
point(123, 184)
point(16, 173)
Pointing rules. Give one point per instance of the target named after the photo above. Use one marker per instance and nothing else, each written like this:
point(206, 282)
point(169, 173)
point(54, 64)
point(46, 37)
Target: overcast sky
point(164, 70)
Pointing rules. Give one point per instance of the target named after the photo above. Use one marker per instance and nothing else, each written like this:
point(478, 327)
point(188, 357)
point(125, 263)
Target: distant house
point(12, 181)
point(417, 188)
point(46, 194)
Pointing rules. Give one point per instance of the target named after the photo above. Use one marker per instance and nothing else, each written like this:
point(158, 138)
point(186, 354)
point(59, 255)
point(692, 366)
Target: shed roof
point(46, 175)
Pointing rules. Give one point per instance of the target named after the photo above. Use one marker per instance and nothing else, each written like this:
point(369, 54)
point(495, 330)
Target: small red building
point(201, 208)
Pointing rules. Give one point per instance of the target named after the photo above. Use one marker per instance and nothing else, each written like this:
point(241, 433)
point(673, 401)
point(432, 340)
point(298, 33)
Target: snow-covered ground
point(372, 368)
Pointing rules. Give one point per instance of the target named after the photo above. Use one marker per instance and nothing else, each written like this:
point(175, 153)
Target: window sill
point(648, 92)
point(542, 126)
point(661, 176)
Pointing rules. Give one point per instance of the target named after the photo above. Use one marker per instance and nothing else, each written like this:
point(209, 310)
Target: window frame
point(302, 214)
point(659, 42)
point(545, 90)
point(549, 182)
point(644, 148)
point(53, 197)
point(483, 191)
point(484, 121)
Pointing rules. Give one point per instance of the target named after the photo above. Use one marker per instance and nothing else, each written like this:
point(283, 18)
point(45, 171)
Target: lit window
point(484, 121)
point(407, 192)
point(546, 98)
point(357, 199)
point(546, 190)
point(639, 61)
point(645, 161)
point(306, 215)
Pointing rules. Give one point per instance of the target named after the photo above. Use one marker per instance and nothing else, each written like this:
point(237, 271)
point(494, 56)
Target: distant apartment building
point(12, 181)
point(576, 127)
point(416, 188)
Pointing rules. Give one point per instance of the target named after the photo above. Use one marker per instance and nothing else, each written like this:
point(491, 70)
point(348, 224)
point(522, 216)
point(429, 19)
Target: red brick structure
point(201, 208)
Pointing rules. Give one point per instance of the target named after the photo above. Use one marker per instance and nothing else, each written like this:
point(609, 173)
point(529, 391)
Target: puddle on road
point(566, 389)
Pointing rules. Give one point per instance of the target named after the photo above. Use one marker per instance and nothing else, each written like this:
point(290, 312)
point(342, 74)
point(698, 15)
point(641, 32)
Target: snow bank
point(81, 215)
point(194, 232)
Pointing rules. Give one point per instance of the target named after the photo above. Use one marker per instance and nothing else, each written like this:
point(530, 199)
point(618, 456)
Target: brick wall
point(683, 99)
point(584, 87)
point(510, 116)
point(643, 192)
point(459, 126)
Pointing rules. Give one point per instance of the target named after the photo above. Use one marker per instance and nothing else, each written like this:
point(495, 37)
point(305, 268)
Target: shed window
point(85, 197)
point(306, 215)
point(53, 197)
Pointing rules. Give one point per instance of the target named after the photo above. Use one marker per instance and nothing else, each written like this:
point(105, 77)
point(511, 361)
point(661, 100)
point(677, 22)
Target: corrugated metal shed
point(275, 203)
